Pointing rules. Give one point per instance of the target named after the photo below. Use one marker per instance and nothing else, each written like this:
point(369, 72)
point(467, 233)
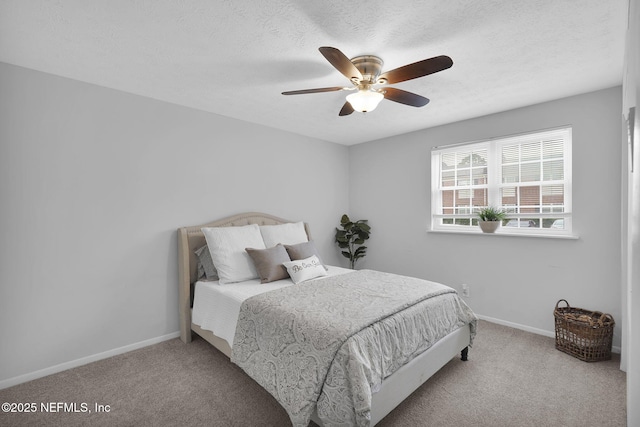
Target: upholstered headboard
point(190, 239)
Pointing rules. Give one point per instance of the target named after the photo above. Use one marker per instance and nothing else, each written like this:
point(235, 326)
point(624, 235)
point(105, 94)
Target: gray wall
point(93, 185)
point(516, 280)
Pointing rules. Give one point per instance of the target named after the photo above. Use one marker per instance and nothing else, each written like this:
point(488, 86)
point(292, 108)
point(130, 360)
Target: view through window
point(528, 176)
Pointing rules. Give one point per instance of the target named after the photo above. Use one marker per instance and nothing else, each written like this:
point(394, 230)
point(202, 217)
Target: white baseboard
point(550, 334)
point(83, 361)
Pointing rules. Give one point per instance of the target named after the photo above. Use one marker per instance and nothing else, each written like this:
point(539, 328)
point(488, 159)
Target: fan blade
point(318, 90)
point(404, 97)
point(346, 109)
point(340, 62)
point(417, 69)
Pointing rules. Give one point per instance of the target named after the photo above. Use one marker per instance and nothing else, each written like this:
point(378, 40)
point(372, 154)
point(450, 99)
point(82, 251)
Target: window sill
point(507, 234)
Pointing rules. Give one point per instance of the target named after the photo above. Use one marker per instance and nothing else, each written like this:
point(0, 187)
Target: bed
point(390, 386)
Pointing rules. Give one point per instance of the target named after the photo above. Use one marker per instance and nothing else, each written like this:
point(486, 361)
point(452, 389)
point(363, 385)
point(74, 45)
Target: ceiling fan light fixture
point(365, 71)
point(365, 100)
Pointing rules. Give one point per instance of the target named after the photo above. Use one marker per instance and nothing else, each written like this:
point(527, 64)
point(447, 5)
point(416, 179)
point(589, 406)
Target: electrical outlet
point(465, 290)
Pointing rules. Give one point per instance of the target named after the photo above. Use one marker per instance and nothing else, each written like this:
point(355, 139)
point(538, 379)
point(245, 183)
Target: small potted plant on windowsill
point(490, 218)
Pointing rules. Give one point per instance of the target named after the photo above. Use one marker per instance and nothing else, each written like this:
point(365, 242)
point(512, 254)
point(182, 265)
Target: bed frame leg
point(464, 354)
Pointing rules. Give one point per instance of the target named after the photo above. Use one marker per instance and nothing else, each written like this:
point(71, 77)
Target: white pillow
point(227, 247)
point(305, 269)
point(286, 234)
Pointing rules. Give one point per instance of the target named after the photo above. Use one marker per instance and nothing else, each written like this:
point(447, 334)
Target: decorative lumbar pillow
point(227, 247)
point(206, 269)
point(302, 251)
point(268, 263)
point(305, 269)
point(286, 234)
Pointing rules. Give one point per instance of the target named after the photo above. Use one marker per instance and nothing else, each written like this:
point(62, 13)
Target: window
point(528, 176)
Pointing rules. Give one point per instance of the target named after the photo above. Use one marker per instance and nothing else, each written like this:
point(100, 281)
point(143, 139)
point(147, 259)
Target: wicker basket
point(584, 334)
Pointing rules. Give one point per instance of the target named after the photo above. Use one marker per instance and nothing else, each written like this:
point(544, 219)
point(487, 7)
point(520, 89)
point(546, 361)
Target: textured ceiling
point(235, 57)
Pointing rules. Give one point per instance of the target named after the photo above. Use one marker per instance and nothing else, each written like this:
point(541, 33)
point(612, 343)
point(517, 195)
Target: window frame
point(494, 184)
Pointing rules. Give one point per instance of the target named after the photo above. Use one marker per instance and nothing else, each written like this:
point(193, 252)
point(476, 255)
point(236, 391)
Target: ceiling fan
point(364, 72)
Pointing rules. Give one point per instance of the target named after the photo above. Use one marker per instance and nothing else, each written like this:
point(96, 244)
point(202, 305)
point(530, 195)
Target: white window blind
point(528, 176)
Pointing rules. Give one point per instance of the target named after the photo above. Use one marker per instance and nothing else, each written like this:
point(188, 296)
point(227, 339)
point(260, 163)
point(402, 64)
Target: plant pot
point(489, 226)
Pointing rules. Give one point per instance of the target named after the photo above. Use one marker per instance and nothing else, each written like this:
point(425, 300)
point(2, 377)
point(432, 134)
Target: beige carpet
point(513, 378)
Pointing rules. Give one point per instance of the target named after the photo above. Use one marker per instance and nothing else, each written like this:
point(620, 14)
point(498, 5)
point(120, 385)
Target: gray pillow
point(302, 251)
point(206, 269)
point(268, 263)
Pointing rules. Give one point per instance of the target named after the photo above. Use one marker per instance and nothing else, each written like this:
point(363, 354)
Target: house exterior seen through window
point(527, 175)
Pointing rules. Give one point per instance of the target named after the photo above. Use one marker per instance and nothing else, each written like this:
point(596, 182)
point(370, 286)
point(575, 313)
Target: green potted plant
point(351, 238)
point(490, 218)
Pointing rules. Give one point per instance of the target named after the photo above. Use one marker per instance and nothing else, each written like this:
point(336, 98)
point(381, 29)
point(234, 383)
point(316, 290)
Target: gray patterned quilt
point(329, 343)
